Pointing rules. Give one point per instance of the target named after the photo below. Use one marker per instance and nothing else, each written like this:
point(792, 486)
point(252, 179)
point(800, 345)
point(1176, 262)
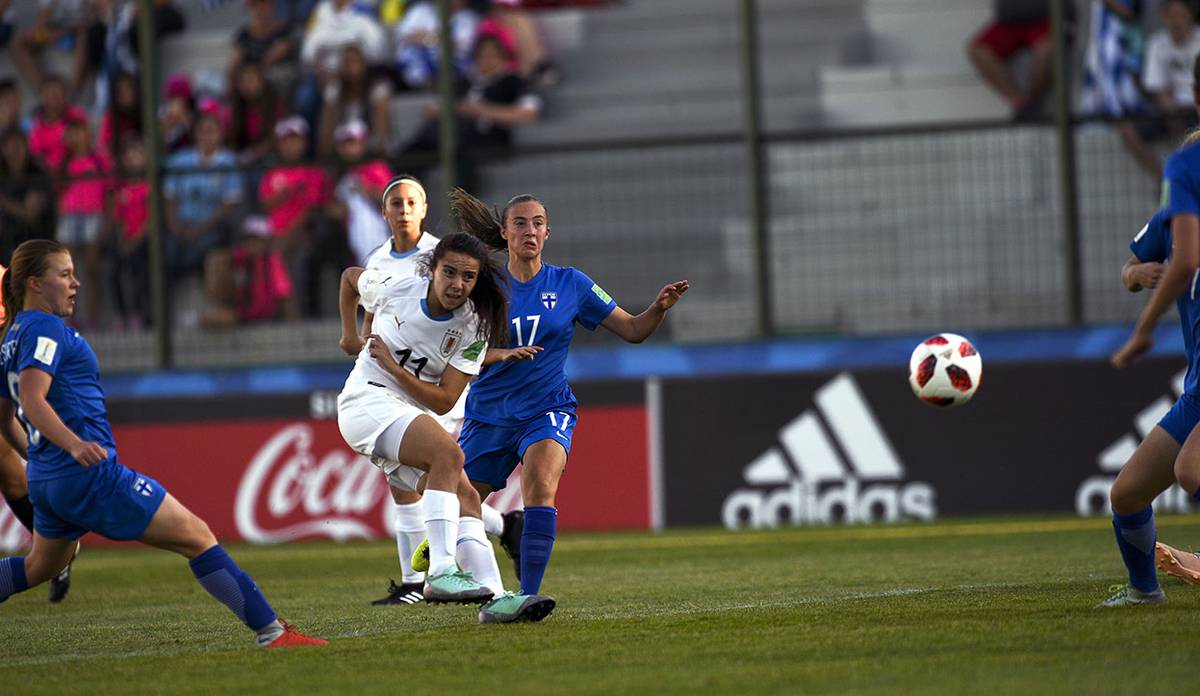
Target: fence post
point(159, 292)
point(448, 140)
point(1068, 188)
point(756, 173)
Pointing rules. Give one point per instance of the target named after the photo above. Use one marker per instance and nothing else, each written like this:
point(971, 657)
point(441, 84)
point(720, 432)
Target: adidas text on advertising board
point(805, 480)
point(1092, 496)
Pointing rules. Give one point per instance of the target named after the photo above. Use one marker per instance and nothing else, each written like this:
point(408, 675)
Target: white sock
point(475, 554)
point(493, 521)
point(441, 523)
point(410, 532)
point(267, 634)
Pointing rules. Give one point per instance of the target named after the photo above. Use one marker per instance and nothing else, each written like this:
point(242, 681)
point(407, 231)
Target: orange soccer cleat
point(1181, 564)
point(291, 638)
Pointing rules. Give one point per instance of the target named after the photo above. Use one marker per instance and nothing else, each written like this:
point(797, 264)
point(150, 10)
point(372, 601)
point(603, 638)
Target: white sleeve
point(1155, 77)
point(468, 359)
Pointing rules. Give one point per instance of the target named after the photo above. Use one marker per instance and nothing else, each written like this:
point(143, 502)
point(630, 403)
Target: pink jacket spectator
point(84, 196)
point(308, 190)
point(47, 139)
point(131, 209)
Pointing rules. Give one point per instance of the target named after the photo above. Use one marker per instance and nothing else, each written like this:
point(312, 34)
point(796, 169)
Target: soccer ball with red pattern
point(944, 370)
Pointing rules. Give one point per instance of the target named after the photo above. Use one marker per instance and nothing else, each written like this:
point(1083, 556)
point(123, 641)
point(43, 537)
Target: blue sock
point(537, 540)
point(1135, 538)
point(12, 577)
point(232, 587)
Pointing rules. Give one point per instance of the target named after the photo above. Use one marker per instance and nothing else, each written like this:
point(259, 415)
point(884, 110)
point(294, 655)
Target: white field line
point(641, 613)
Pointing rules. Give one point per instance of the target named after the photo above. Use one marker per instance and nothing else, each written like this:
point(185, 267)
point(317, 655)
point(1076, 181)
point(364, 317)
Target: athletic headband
point(403, 180)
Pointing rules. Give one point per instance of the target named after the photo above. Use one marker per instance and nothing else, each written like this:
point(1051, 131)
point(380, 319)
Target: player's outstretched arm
point(34, 384)
point(439, 398)
point(1137, 275)
point(636, 329)
point(1185, 259)
point(11, 429)
point(350, 342)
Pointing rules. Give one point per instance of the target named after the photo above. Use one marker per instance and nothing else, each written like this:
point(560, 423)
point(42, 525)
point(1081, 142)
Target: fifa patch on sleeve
point(46, 348)
point(600, 293)
point(473, 351)
point(1165, 199)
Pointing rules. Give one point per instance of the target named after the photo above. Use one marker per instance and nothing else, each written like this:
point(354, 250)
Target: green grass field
point(997, 606)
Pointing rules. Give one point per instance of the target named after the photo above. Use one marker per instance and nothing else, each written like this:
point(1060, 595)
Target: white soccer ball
point(944, 370)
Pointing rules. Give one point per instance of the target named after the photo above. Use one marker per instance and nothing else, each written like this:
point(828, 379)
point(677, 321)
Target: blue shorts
point(1182, 418)
point(493, 451)
point(107, 498)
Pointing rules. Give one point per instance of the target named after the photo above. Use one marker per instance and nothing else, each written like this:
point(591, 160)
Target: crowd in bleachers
point(274, 164)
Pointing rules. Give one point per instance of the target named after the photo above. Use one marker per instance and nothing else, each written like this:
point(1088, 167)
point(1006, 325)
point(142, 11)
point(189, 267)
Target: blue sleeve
point(1179, 187)
point(594, 304)
point(231, 180)
point(42, 345)
point(1152, 242)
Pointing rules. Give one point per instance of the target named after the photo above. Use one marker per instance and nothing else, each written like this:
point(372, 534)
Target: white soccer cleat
point(1128, 596)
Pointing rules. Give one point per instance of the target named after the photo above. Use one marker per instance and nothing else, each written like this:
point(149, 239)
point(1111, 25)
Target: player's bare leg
point(1149, 472)
point(175, 528)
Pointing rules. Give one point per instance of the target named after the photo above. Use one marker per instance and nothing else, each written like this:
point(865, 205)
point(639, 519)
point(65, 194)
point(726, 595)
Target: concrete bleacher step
point(900, 29)
point(905, 94)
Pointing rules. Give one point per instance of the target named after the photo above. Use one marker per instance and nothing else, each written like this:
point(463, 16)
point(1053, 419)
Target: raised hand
point(670, 294)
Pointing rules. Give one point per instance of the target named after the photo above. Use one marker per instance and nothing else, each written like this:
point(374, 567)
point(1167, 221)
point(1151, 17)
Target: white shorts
point(364, 414)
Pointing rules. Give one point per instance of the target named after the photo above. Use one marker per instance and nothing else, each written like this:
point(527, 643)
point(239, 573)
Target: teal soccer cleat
point(455, 585)
point(511, 607)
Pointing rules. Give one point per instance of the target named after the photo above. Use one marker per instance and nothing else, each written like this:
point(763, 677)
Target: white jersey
point(404, 266)
point(422, 344)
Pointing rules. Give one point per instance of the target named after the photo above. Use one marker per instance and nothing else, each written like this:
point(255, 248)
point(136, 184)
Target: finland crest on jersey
point(421, 344)
point(549, 299)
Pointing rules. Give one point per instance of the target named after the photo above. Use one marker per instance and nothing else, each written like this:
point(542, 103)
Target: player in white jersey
point(404, 207)
point(428, 340)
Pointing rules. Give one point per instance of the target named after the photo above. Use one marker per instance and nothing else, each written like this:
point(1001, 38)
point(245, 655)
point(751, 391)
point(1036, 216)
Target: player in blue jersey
point(76, 482)
point(1171, 451)
point(524, 411)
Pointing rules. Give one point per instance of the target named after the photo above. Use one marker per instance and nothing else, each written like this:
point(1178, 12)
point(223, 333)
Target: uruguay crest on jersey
point(450, 341)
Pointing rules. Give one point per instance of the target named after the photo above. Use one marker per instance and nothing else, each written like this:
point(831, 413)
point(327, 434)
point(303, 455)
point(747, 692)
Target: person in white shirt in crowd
point(1170, 54)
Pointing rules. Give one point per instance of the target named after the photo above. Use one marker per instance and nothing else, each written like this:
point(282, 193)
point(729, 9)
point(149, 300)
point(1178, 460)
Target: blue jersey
point(542, 312)
point(40, 340)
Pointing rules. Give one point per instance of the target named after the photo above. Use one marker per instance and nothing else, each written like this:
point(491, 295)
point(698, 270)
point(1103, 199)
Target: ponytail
point(11, 305)
point(477, 219)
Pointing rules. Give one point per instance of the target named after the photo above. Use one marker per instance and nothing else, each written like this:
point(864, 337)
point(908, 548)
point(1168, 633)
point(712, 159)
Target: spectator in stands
point(47, 135)
point(357, 93)
point(496, 101)
point(10, 107)
point(248, 282)
point(295, 13)
point(416, 39)
point(83, 176)
point(335, 24)
point(202, 190)
point(293, 194)
point(60, 24)
point(128, 217)
point(122, 120)
point(1170, 54)
point(254, 111)
point(1016, 25)
point(1112, 75)
point(355, 204)
point(267, 41)
point(27, 200)
point(533, 60)
point(7, 24)
point(177, 115)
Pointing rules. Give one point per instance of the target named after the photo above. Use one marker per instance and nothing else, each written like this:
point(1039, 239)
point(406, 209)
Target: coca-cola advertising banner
point(859, 447)
point(276, 479)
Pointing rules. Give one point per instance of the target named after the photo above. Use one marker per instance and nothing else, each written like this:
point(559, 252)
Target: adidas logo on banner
point(811, 481)
point(1091, 498)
